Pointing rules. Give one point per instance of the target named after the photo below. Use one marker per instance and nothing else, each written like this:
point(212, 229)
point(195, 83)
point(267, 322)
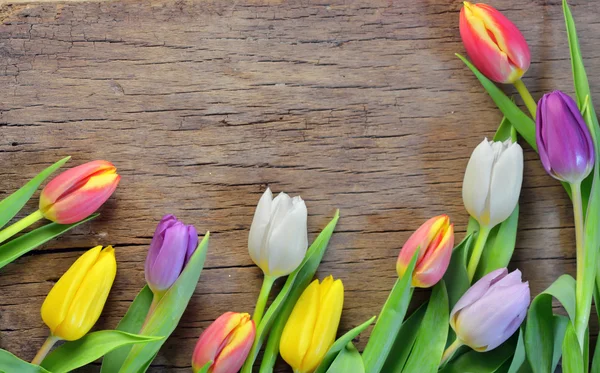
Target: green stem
point(261, 303)
point(43, 351)
point(482, 237)
point(155, 299)
point(451, 350)
point(583, 294)
point(10, 231)
point(526, 96)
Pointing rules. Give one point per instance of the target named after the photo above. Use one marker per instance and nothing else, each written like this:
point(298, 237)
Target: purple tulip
point(171, 248)
point(491, 310)
point(563, 139)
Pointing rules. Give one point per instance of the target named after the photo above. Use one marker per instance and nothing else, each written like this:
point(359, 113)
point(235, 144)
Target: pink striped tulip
point(77, 193)
point(494, 44)
point(225, 344)
point(434, 240)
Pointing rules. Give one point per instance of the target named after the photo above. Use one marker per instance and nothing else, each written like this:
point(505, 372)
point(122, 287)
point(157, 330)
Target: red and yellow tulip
point(494, 44)
point(77, 193)
point(225, 343)
point(434, 240)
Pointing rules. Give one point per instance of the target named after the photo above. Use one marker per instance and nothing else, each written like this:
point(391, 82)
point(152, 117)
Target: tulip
point(172, 246)
point(278, 240)
point(225, 344)
point(490, 311)
point(563, 139)
point(77, 193)
point(434, 240)
point(491, 188)
point(75, 302)
point(311, 328)
point(494, 44)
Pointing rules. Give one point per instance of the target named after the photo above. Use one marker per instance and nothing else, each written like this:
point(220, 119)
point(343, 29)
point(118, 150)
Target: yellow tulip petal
point(298, 331)
point(58, 301)
point(328, 320)
point(90, 298)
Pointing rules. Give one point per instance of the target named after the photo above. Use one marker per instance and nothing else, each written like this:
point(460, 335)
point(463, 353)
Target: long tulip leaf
point(11, 205)
point(389, 322)
point(278, 312)
point(75, 354)
point(493, 361)
point(10, 363)
point(340, 344)
point(20, 246)
point(522, 123)
point(348, 361)
point(572, 360)
point(132, 322)
point(168, 312)
point(429, 346)
point(518, 359)
point(405, 341)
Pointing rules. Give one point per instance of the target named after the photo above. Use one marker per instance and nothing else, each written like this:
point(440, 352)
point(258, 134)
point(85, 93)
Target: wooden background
point(356, 105)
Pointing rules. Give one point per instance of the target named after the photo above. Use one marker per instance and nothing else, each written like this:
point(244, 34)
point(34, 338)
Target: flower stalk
point(45, 349)
point(526, 96)
point(17, 227)
point(263, 297)
point(482, 237)
point(450, 351)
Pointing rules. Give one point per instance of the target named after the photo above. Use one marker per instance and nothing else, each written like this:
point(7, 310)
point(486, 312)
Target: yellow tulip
point(75, 302)
point(311, 328)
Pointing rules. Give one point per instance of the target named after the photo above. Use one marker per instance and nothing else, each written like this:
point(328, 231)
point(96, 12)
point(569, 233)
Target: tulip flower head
point(75, 302)
point(311, 328)
point(491, 310)
point(171, 248)
point(226, 343)
point(494, 44)
point(492, 182)
point(563, 139)
point(78, 192)
point(434, 240)
point(278, 237)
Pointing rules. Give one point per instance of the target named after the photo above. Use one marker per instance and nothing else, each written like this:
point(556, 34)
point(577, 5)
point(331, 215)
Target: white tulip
point(492, 181)
point(278, 237)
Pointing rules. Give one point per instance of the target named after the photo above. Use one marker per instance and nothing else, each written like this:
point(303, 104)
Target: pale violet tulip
point(278, 237)
point(492, 182)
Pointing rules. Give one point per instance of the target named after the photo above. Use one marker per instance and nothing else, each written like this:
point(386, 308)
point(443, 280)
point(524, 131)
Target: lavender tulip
point(563, 139)
point(491, 310)
point(172, 246)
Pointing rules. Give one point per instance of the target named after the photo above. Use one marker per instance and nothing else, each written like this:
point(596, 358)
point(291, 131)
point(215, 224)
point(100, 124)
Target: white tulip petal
point(260, 222)
point(505, 187)
point(288, 242)
point(476, 183)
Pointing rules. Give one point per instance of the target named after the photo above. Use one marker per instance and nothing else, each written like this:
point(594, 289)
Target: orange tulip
point(77, 193)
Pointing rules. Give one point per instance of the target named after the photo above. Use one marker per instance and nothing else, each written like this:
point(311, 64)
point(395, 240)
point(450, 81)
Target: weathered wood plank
point(360, 106)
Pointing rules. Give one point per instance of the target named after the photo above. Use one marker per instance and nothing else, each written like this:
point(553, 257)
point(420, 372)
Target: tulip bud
point(492, 182)
point(494, 44)
point(226, 343)
point(311, 328)
point(563, 139)
point(75, 302)
point(172, 246)
point(78, 192)
point(278, 237)
point(491, 310)
point(434, 240)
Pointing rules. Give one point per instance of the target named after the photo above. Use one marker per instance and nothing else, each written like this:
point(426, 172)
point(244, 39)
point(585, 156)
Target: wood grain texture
point(356, 105)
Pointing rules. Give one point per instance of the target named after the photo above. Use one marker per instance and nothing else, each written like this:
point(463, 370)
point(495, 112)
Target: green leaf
point(572, 360)
point(519, 356)
point(22, 245)
point(9, 363)
point(348, 361)
point(281, 308)
point(340, 344)
point(542, 331)
point(132, 322)
point(456, 276)
point(483, 362)
point(91, 347)
point(431, 339)
point(522, 123)
point(405, 341)
point(596, 359)
point(168, 311)
point(11, 205)
point(389, 322)
point(205, 368)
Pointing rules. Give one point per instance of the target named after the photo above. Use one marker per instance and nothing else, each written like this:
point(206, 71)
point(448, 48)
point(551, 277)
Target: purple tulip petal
point(157, 240)
point(169, 261)
point(192, 243)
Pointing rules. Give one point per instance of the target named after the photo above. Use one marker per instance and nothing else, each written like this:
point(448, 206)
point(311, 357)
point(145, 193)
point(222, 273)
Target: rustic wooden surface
point(354, 105)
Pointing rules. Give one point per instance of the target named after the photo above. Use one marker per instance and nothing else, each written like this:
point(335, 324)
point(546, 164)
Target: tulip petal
point(214, 338)
point(258, 229)
point(157, 241)
point(57, 303)
point(232, 356)
point(169, 262)
point(432, 268)
point(476, 183)
point(192, 243)
point(90, 298)
point(505, 188)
